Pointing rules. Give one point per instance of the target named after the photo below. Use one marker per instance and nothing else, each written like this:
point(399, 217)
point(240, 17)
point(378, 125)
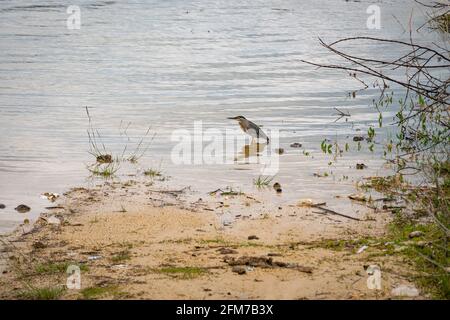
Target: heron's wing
point(255, 131)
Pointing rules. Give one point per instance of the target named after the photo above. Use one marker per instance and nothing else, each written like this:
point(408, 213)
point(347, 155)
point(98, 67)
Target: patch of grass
point(340, 245)
point(427, 211)
point(152, 173)
point(442, 22)
point(104, 171)
point(227, 192)
point(262, 182)
point(98, 292)
point(57, 267)
point(223, 242)
point(215, 240)
point(185, 240)
point(182, 272)
point(251, 244)
point(47, 293)
point(430, 258)
point(384, 184)
point(121, 256)
point(126, 244)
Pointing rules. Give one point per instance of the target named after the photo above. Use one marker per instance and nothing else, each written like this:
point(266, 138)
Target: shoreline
point(139, 241)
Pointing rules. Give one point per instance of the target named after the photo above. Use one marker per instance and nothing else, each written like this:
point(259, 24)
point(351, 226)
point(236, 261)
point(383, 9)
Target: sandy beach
point(146, 241)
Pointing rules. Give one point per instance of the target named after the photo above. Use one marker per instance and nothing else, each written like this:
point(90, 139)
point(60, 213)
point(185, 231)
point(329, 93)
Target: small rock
point(358, 138)
point(92, 258)
point(358, 197)
point(296, 145)
point(360, 166)
point(279, 190)
point(421, 244)
point(276, 186)
point(104, 158)
point(415, 234)
point(22, 208)
point(227, 251)
point(253, 237)
point(405, 291)
point(279, 151)
point(53, 220)
point(38, 245)
point(400, 248)
point(362, 249)
point(239, 269)
point(2, 206)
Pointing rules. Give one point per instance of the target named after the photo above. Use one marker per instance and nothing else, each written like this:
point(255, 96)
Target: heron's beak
point(232, 118)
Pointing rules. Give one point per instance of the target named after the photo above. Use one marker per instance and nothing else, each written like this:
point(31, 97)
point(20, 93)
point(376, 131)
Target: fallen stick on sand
point(173, 192)
point(334, 212)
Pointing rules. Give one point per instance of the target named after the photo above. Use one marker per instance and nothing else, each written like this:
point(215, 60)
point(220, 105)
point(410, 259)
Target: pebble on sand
point(239, 269)
point(415, 234)
point(22, 208)
point(2, 206)
point(277, 187)
point(360, 166)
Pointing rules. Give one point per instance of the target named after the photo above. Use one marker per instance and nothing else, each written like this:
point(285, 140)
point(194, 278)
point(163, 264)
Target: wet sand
point(146, 241)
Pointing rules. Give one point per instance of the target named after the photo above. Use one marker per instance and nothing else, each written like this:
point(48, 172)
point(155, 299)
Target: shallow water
point(166, 64)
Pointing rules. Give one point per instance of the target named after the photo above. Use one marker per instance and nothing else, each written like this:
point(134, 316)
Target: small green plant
point(152, 173)
point(104, 170)
point(262, 182)
point(121, 256)
point(98, 292)
point(57, 267)
point(105, 164)
point(47, 293)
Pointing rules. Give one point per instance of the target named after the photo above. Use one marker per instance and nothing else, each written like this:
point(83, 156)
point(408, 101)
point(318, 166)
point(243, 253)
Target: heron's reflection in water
point(250, 150)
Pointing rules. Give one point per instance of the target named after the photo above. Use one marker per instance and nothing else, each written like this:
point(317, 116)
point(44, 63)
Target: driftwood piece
point(265, 262)
point(335, 213)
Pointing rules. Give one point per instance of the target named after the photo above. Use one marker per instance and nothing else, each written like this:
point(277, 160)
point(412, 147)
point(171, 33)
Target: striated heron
point(250, 128)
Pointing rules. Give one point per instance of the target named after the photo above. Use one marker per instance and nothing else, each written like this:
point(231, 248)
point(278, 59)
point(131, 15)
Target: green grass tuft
point(121, 256)
point(262, 182)
point(57, 267)
point(152, 173)
point(98, 292)
point(182, 272)
point(47, 293)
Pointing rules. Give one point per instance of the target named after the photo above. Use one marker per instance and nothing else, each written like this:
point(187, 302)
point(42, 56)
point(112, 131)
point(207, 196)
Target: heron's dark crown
point(238, 118)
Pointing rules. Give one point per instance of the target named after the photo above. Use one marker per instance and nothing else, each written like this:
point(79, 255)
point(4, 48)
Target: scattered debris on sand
point(50, 196)
point(296, 145)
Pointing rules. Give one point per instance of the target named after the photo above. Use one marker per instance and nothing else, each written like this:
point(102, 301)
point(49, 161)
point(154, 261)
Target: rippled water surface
point(166, 64)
